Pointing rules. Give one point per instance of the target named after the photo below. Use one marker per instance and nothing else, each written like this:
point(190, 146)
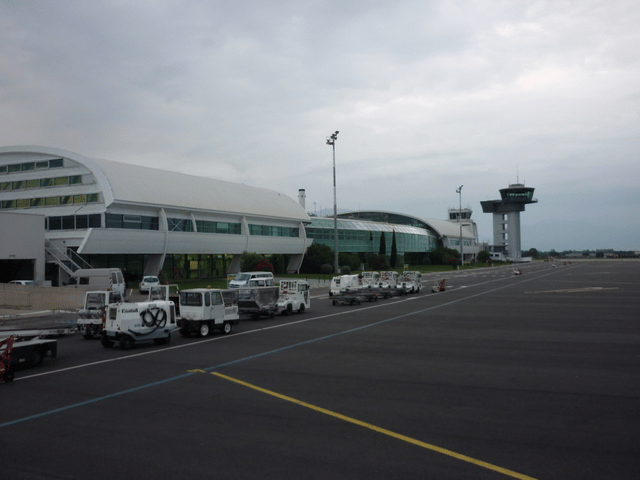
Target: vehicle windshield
point(191, 299)
point(95, 301)
point(150, 279)
point(242, 277)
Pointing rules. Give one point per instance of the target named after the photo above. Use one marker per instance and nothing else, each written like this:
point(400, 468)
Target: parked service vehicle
point(22, 282)
point(128, 323)
point(92, 315)
point(147, 282)
point(27, 347)
point(294, 296)
point(344, 282)
point(388, 279)
point(251, 279)
point(409, 282)
point(99, 279)
point(205, 309)
point(258, 301)
point(370, 279)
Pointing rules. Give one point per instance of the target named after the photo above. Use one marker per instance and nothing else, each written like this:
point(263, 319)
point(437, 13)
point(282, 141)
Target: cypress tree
point(393, 260)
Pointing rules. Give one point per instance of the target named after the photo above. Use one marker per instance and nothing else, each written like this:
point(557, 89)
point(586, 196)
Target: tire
point(204, 329)
point(289, 309)
point(106, 343)
point(36, 357)
point(8, 377)
point(301, 308)
point(227, 327)
point(184, 331)
point(126, 342)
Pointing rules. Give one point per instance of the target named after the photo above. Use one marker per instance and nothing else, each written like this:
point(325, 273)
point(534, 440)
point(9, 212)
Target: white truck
point(409, 282)
point(128, 323)
point(343, 283)
point(92, 315)
point(370, 280)
point(205, 309)
point(294, 296)
point(388, 279)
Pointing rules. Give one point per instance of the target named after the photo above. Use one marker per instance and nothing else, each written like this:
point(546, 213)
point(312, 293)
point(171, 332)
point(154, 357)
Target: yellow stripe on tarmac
point(398, 436)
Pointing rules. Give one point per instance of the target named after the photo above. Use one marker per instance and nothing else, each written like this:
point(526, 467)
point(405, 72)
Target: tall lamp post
point(459, 192)
point(331, 140)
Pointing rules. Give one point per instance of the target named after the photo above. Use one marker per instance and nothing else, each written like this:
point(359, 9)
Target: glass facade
point(73, 222)
point(273, 231)
point(206, 226)
point(357, 236)
point(132, 222)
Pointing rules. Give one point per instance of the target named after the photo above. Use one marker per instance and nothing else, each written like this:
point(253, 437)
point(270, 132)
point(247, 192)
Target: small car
point(148, 282)
point(22, 282)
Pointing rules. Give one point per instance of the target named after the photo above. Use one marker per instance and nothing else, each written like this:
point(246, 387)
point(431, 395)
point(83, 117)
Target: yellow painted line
point(577, 290)
point(384, 431)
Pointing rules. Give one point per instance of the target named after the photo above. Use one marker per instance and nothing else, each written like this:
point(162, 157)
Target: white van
point(252, 279)
point(110, 279)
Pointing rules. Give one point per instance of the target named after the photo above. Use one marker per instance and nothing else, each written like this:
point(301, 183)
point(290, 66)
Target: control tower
point(506, 217)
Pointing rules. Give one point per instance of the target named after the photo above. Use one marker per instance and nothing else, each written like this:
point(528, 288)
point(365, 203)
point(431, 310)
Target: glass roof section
point(323, 222)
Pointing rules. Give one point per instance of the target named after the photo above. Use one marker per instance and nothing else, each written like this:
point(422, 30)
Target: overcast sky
point(427, 96)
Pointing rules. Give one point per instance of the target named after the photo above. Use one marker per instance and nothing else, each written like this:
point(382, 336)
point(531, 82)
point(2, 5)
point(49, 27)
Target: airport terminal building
point(87, 212)
point(139, 218)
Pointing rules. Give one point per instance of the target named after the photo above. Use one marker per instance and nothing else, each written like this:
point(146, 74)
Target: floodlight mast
point(459, 191)
point(331, 140)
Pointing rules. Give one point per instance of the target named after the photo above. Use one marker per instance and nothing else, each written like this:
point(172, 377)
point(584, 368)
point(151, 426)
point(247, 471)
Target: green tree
point(393, 259)
point(375, 261)
point(483, 256)
point(383, 244)
point(249, 261)
point(443, 256)
point(317, 255)
point(351, 260)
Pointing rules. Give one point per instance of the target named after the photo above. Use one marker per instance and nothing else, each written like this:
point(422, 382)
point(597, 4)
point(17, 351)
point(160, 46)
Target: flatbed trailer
point(28, 347)
point(347, 298)
point(256, 302)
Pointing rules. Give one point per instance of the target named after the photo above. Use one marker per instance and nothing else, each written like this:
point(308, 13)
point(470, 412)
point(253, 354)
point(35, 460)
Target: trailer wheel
point(106, 343)
point(8, 377)
point(36, 357)
point(289, 309)
point(301, 308)
point(126, 342)
point(226, 328)
point(204, 329)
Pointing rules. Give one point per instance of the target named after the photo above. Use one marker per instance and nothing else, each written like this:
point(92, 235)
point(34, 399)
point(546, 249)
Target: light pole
point(459, 192)
point(331, 140)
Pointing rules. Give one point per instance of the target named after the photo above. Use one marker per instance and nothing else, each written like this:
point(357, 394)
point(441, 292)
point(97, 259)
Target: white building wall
point(22, 238)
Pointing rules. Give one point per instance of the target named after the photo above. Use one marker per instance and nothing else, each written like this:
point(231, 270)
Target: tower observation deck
point(506, 217)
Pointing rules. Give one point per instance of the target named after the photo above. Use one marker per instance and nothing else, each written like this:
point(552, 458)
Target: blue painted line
point(252, 357)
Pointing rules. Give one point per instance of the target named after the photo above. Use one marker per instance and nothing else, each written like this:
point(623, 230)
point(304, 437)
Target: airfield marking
point(576, 290)
point(375, 428)
point(251, 357)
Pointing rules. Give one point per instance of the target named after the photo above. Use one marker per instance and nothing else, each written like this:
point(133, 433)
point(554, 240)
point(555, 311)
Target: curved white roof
point(442, 228)
point(138, 185)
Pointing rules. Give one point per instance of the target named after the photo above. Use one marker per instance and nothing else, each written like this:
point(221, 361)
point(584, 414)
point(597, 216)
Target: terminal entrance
point(19, 269)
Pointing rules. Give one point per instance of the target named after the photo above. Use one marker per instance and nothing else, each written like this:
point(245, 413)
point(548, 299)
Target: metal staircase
point(69, 261)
